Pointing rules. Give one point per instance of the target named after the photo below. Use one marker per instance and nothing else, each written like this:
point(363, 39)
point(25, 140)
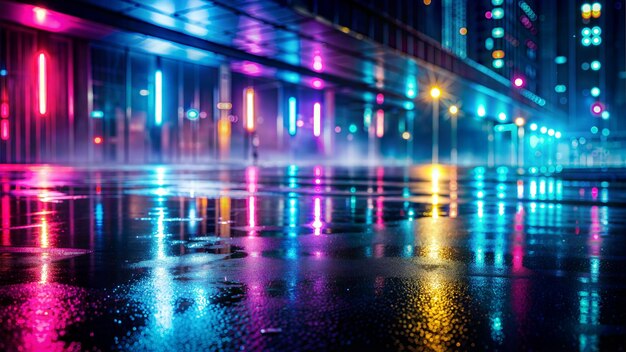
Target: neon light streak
point(317, 83)
point(317, 216)
point(40, 14)
point(44, 240)
point(292, 116)
point(4, 130)
point(250, 109)
point(158, 97)
point(481, 111)
point(367, 117)
point(42, 82)
point(317, 63)
point(380, 123)
point(4, 110)
point(251, 178)
point(251, 211)
point(317, 123)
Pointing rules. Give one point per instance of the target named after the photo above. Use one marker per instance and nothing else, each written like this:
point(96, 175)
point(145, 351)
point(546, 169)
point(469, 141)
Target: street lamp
point(435, 93)
point(454, 111)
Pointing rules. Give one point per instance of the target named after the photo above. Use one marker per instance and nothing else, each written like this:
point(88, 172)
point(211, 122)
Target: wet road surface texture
point(310, 258)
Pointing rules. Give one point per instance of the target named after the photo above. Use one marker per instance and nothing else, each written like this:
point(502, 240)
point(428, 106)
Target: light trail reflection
point(317, 216)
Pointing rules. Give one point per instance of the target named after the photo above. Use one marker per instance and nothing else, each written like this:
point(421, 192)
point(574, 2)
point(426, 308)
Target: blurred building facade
point(166, 81)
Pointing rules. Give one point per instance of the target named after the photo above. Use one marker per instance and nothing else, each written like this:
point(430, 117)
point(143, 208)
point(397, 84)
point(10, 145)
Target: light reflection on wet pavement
point(306, 258)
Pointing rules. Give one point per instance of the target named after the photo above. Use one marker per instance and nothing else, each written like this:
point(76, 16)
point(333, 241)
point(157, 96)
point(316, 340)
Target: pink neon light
point(251, 211)
point(251, 179)
point(4, 130)
point(40, 14)
point(42, 84)
point(317, 83)
point(317, 119)
point(380, 123)
point(380, 98)
point(4, 110)
point(596, 108)
point(317, 63)
point(251, 68)
point(317, 216)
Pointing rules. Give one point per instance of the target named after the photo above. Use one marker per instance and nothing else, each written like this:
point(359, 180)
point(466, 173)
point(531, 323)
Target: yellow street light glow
point(250, 109)
point(435, 92)
point(520, 121)
point(453, 110)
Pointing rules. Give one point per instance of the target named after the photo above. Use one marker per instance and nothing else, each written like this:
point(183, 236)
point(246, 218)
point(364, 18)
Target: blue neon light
point(292, 116)
point(158, 98)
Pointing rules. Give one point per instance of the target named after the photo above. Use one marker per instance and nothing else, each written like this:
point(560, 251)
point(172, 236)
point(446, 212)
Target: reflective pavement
point(309, 258)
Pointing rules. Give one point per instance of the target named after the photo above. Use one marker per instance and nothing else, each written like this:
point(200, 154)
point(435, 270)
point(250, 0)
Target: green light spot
point(97, 114)
point(595, 92)
point(497, 13)
point(595, 65)
point(192, 114)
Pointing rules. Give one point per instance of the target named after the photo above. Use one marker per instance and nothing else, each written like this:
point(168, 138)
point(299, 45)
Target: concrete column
point(128, 112)
point(410, 123)
point(280, 117)
point(520, 146)
point(490, 145)
point(328, 122)
point(223, 129)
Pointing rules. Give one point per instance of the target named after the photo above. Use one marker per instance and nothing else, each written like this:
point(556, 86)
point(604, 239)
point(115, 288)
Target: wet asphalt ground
point(310, 258)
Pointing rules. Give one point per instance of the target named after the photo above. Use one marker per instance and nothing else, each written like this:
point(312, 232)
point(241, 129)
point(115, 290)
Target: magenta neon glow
point(597, 108)
point(317, 171)
point(42, 84)
point(518, 82)
point(40, 14)
point(251, 68)
point(251, 211)
point(4, 110)
point(317, 62)
point(251, 179)
point(380, 98)
point(317, 216)
point(379, 210)
point(4, 129)
point(380, 123)
point(317, 83)
point(317, 119)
